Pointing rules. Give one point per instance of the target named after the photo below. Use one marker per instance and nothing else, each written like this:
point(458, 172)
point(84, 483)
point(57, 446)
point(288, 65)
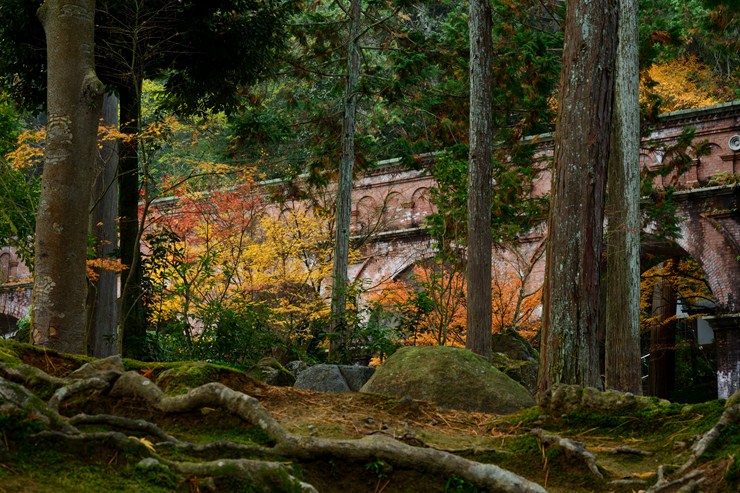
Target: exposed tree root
point(663, 483)
point(730, 416)
point(572, 448)
point(29, 375)
point(369, 448)
point(685, 475)
point(270, 476)
point(630, 451)
point(77, 387)
point(119, 422)
point(273, 475)
point(20, 398)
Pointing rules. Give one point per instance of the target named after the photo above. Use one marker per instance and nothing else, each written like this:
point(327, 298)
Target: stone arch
point(5, 260)
point(15, 303)
point(646, 160)
point(364, 214)
point(385, 260)
point(393, 211)
point(703, 239)
point(421, 205)
point(704, 170)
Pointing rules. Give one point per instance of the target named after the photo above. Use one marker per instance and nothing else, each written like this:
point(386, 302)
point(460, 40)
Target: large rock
point(270, 371)
point(512, 344)
point(454, 378)
point(515, 356)
point(333, 378)
point(523, 371)
point(98, 366)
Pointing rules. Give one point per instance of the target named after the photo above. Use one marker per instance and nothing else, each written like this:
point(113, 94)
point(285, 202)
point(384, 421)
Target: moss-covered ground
point(663, 431)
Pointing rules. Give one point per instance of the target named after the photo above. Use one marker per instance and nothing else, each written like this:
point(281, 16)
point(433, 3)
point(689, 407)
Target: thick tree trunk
point(103, 300)
point(569, 350)
point(74, 97)
point(132, 327)
point(623, 370)
point(479, 302)
point(339, 336)
point(662, 359)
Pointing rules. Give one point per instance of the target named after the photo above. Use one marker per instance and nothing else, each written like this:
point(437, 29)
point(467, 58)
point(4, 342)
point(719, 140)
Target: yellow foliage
point(146, 442)
point(231, 250)
point(30, 150)
point(680, 84)
point(684, 277)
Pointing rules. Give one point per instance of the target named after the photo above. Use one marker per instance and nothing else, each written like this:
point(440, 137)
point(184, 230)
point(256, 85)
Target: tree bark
point(662, 359)
point(623, 371)
point(74, 96)
point(339, 331)
point(132, 326)
point(569, 350)
point(479, 302)
point(103, 299)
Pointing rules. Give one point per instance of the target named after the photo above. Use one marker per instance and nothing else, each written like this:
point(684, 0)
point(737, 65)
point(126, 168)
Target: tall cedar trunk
point(132, 327)
point(662, 359)
point(74, 96)
point(339, 337)
point(479, 339)
point(623, 370)
point(103, 303)
point(569, 350)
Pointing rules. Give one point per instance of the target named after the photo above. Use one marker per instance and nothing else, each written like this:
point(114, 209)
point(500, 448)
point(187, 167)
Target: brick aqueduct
point(392, 202)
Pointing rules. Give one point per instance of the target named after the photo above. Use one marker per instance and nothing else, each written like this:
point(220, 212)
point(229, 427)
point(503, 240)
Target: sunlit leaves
point(227, 248)
point(428, 306)
point(679, 84)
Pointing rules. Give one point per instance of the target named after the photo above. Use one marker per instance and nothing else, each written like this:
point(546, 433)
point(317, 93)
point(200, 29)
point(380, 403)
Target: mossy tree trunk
point(338, 349)
point(622, 354)
point(479, 303)
point(569, 349)
point(74, 98)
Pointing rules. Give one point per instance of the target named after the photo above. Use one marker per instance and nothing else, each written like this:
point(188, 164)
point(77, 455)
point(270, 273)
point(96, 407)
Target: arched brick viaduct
point(708, 215)
point(390, 204)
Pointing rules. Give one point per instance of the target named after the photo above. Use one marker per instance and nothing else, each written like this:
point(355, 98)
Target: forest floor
point(629, 446)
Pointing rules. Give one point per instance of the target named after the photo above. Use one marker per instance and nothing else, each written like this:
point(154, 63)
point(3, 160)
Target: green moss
point(17, 424)
point(52, 468)
point(676, 420)
point(213, 425)
point(8, 354)
point(180, 377)
point(524, 417)
point(732, 473)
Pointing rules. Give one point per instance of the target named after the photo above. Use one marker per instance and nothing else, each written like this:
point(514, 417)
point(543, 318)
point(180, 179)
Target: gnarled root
point(273, 476)
point(730, 416)
point(369, 448)
point(572, 448)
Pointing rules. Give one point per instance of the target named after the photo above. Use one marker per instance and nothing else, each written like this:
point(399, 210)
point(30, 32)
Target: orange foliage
point(113, 265)
point(430, 304)
point(513, 305)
